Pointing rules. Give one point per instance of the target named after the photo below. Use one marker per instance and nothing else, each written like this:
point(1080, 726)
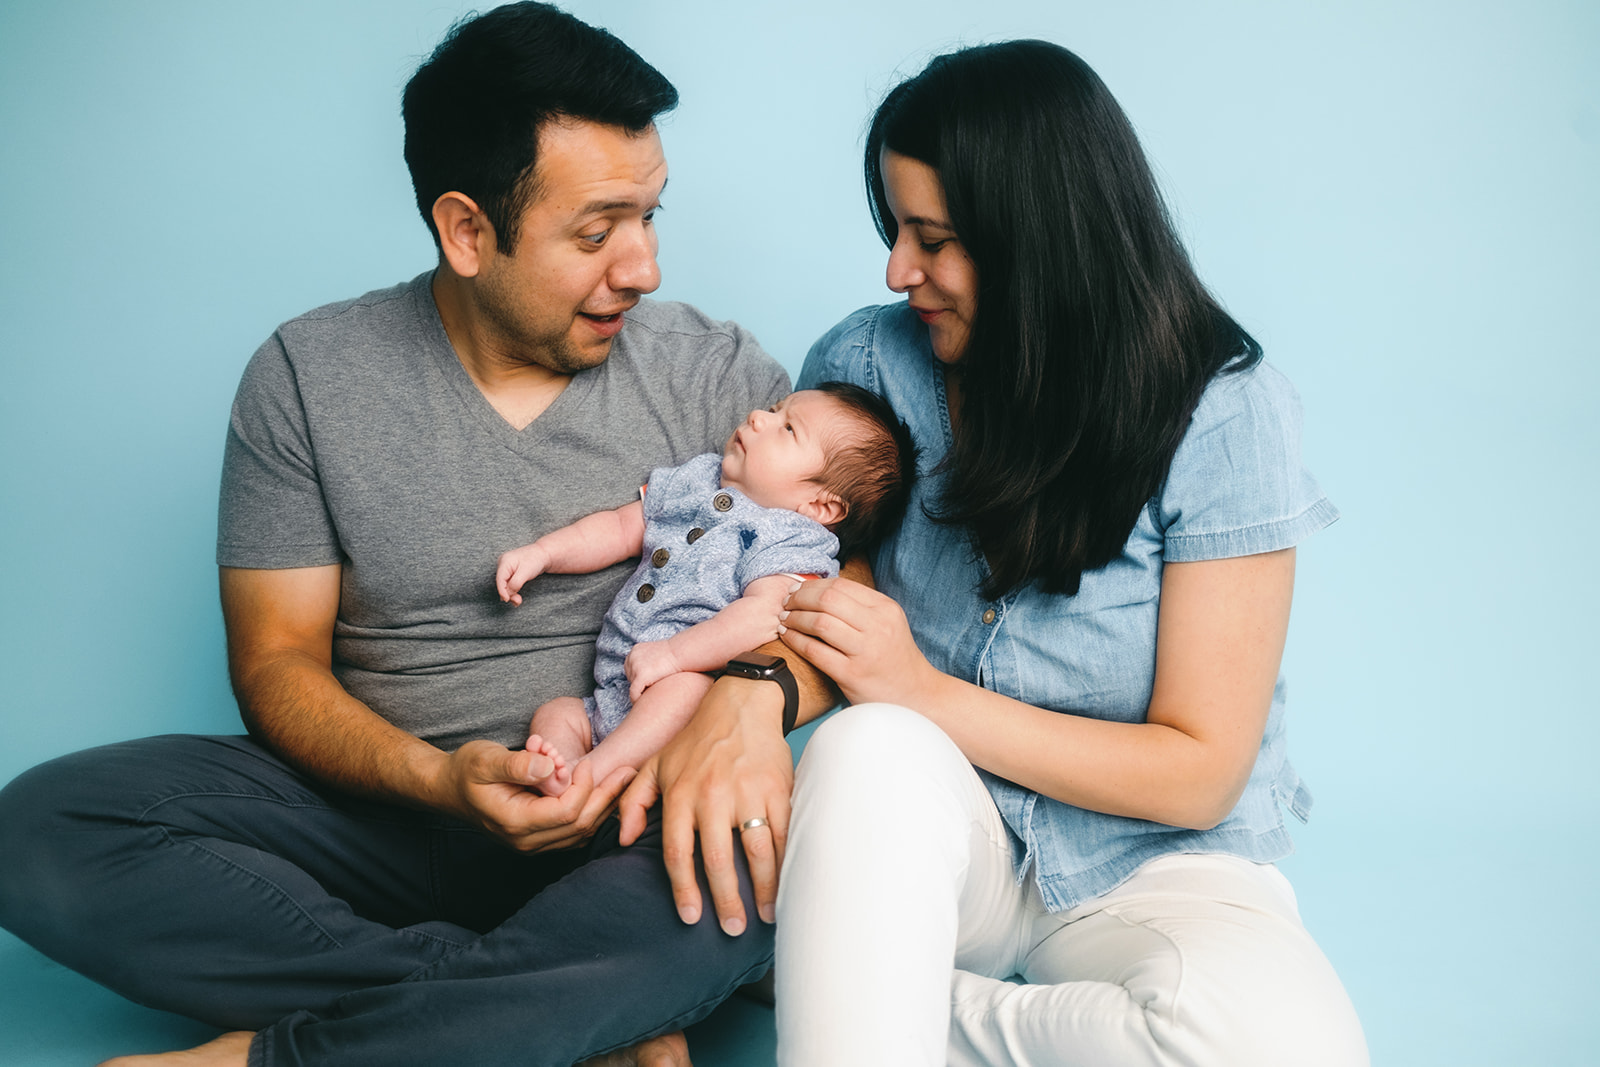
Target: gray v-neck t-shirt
point(358, 438)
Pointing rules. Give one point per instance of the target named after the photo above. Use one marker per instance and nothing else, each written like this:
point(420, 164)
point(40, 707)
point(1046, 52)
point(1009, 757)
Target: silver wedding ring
point(751, 824)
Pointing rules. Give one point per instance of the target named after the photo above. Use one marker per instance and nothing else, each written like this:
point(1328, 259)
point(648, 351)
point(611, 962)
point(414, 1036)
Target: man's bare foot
point(228, 1050)
point(668, 1050)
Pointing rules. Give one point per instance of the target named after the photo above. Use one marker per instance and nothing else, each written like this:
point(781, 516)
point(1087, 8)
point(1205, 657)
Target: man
point(365, 878)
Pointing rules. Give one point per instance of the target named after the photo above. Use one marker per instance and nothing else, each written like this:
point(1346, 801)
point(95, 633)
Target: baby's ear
point(824, 507)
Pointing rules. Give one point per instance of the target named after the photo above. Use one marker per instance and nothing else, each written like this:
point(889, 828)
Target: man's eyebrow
point(600, 207)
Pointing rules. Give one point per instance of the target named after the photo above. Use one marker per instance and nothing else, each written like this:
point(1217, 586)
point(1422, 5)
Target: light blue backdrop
point(1398, 198)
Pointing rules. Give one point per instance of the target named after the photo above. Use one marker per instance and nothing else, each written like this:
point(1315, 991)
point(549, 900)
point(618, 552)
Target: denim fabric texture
point(203, 875)
point(1237, 487)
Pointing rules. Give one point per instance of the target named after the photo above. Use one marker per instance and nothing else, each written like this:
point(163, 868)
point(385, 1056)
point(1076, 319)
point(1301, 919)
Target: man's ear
point(466, 239)
point(825, 508)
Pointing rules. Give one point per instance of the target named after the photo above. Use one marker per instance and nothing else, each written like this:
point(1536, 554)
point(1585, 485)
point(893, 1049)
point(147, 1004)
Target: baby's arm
point(749, 622)
point(593, 542)
point(665, 683)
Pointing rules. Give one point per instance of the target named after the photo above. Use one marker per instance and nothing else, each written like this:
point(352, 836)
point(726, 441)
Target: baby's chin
point(731, 481)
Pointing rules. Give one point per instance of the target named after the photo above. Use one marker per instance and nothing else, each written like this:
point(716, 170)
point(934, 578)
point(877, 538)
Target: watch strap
point(780, 673)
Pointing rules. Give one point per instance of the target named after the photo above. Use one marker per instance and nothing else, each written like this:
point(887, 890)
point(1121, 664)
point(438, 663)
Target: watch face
point(756, 661)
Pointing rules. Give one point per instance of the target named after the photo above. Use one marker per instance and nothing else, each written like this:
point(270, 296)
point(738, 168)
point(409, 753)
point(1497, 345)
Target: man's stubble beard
point(554, 351)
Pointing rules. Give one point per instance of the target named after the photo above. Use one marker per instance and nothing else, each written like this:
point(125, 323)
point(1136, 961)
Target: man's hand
point(648, 662)
point(729, 765)
point(491, 787)
point(517, 568)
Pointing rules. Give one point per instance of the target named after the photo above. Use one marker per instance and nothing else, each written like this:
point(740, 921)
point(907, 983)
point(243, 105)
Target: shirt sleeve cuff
point(1250, 540)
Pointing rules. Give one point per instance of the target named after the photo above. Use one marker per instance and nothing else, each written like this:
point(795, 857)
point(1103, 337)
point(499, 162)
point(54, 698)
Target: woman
point(1033, 782)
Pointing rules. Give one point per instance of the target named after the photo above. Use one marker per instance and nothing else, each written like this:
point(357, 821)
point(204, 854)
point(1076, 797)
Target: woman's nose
point(903, 272)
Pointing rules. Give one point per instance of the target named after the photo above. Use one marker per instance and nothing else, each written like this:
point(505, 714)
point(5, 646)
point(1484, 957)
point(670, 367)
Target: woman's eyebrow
point(923, 220)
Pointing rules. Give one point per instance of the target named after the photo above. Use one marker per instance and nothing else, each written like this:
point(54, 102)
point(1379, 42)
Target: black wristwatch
point(765, 668)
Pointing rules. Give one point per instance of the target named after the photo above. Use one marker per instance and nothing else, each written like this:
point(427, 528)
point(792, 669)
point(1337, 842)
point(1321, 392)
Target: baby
point(723, 540)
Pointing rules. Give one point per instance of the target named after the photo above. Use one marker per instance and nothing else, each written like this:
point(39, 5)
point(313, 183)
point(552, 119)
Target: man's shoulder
point(651, 319)
point(679, 343)
point(374, 311)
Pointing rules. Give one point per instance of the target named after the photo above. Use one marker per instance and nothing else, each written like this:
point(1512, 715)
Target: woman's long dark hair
point(1093, 337)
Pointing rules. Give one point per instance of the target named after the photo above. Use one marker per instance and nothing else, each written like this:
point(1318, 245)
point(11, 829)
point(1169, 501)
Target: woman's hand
point(860, 639)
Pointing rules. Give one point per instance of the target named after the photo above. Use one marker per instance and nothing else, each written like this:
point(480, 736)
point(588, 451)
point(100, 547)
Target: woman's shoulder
point(1238, 485)
point(864, 345)
point(1255, 394)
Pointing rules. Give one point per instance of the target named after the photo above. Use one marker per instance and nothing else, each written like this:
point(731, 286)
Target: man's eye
point(595, 238)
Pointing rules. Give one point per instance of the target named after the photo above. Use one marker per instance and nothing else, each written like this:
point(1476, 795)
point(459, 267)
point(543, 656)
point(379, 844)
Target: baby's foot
point(557, 781)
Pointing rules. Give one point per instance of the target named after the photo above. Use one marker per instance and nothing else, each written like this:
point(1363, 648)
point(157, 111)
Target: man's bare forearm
point(280, 656)
point(297, 708)
point(818, 694)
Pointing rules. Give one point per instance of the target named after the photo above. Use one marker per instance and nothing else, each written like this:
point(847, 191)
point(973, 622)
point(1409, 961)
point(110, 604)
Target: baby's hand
point(517, 568)
point(648, 662)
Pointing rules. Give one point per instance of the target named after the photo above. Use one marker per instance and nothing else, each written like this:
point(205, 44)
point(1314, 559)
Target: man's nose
point(635, 268)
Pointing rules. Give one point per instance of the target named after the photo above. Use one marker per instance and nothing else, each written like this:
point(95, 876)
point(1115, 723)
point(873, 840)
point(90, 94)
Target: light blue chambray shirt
point(1237, 487)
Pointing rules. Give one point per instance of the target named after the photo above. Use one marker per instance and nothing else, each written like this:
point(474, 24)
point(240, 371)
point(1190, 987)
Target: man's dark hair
point(1093, 336)
point(872, 475)
point(473, 111)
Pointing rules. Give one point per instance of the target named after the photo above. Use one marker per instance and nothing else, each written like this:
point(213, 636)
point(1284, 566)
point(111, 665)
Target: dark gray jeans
point(202, 875)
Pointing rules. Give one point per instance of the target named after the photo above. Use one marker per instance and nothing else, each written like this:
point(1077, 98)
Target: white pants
point(899, 919)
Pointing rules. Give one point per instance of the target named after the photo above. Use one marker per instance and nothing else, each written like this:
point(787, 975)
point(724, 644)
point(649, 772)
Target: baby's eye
point(789, 426)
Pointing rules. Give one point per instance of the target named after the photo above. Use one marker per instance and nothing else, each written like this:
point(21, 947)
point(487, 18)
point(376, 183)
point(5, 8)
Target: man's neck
point(518, 390)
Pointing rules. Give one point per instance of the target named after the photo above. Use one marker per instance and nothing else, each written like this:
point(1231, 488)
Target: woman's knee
point(876, 762)
point(881, 739)
point(1210, 984)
